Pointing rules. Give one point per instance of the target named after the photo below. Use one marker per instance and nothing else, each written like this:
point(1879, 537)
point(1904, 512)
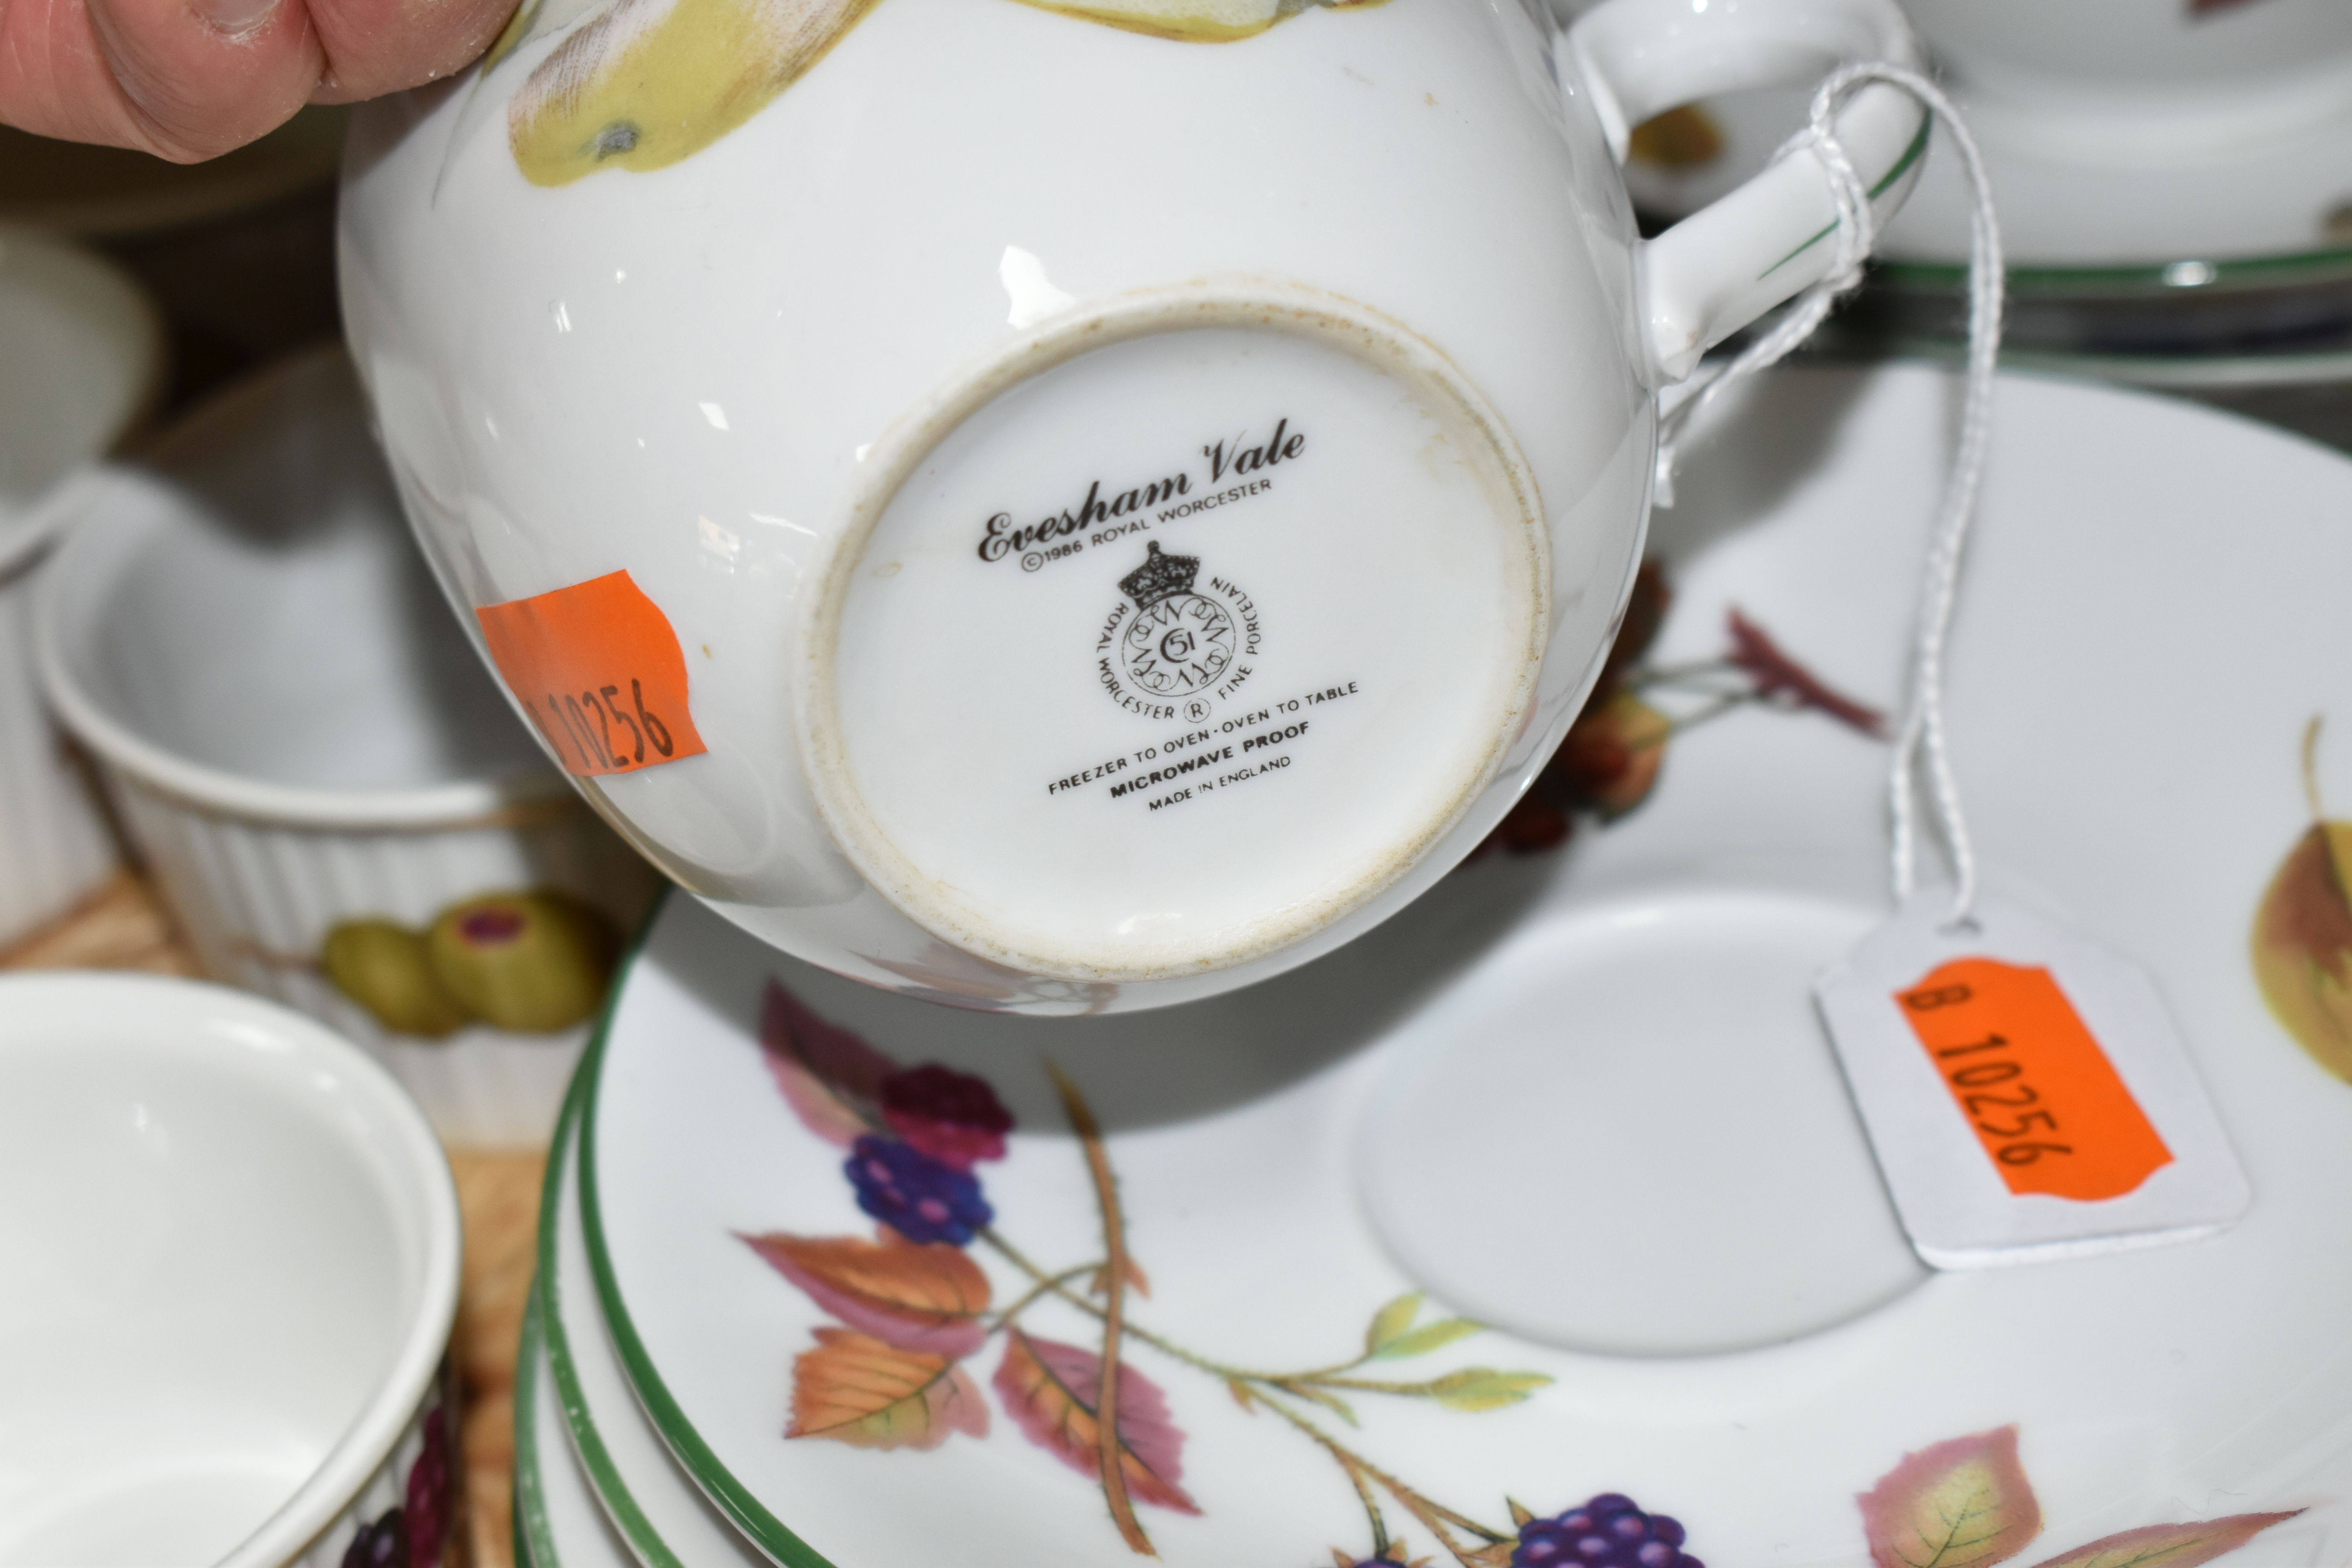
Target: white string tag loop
point(1952, 1011)
point(1921, 742)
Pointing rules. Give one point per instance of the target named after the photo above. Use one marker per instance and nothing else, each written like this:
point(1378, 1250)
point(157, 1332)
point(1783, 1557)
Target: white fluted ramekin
point(234, 1250)
point(337, 805)
point(83, 355)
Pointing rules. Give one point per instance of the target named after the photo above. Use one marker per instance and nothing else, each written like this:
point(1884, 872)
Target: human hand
point(187, 80)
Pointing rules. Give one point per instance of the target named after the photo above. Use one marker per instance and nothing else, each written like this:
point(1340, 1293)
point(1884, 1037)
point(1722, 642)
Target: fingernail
point(235, 18)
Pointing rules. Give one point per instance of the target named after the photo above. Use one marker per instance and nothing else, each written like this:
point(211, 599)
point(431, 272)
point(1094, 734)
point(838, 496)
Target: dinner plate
point(651, 1504)
point(2279, 211)
point(1536, 1225)
point(2180, 274)
point(1881, 325)
point(2176, 223)
point(557, 1523)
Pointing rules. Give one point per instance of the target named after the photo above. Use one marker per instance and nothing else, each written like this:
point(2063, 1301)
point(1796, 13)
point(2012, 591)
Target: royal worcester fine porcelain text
point(233, 1249)
point(339, 808)
point(1060, 508)
point(84, 353)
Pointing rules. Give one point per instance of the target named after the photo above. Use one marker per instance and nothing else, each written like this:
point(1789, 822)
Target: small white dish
point(1571, 1099)
point(338, 804)
point(232, 1250)
point(84, 354)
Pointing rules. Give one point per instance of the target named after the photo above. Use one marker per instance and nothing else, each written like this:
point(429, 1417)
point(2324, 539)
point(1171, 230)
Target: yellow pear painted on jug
point(2303, 933)
point(1193, 21)
point(645, 83)
point(648, 82)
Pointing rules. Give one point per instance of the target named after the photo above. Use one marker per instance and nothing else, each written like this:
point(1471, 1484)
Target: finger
point(182, 78)
point(375, 47)
point(188, 79)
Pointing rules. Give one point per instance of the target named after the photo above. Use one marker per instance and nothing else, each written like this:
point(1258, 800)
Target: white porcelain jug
point(1061, 508)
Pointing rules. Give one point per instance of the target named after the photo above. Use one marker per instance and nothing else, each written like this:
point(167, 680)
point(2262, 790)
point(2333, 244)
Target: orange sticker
point(599, 669)
point(2026, 1072)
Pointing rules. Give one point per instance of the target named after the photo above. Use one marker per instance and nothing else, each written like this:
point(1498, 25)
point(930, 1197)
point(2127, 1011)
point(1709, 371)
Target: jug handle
point(1732, 260)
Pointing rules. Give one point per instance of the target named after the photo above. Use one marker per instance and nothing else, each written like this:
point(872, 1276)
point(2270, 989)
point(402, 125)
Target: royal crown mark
point(1160, 576)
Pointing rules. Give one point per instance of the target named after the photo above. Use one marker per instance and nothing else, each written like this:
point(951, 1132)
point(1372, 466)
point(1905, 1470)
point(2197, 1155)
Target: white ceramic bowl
point(82, 351)
point(232, 1254)
point(325, 783)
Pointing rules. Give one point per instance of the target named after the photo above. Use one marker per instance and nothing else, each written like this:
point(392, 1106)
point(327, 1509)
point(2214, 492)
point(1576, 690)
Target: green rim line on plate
point(2156, 372)
point(2220, 274)
point(735, 1500)
point(535, 1539)
point(603, 1478)
point(517, 1547)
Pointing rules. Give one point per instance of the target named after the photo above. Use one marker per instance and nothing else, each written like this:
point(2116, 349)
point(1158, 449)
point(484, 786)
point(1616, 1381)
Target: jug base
point(1175, 634)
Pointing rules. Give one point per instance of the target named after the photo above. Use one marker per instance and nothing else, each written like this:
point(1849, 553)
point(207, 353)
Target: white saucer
point(1664, 1205)
point(650, 1504)
point(556, 1521)
point(2190, 373)
point(2277, 208)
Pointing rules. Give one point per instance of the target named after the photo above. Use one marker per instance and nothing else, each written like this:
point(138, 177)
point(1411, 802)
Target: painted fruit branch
point(913, 1305)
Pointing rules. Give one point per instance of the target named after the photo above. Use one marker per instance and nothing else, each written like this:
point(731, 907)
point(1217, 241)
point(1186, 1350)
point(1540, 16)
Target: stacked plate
point(1538, 1226)
point(2171, 177)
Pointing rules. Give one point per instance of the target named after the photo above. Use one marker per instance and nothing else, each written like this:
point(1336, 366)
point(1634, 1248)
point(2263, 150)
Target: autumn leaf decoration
point(1966, 1503)
point(2303, 931)
point(1051, 1391)
point(1955, 1505)
point(1782, 681)
point(912, 1302)
point(925, 1297)
point(1611, 758)
point(912, 1306)
point(870, 1393)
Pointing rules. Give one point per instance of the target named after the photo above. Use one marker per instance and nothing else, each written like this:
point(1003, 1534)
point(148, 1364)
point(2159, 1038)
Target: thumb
point(184, 79)
point(188, 79)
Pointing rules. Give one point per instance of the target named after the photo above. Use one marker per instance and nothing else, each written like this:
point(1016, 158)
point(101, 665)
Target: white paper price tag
point(2024, 1091)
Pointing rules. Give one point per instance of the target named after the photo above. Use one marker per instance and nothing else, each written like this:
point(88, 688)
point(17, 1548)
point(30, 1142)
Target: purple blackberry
point(427, 1507)
point(921, 1198)
point(1608, 1531)
point(952, 1116)
point(383, 1545)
